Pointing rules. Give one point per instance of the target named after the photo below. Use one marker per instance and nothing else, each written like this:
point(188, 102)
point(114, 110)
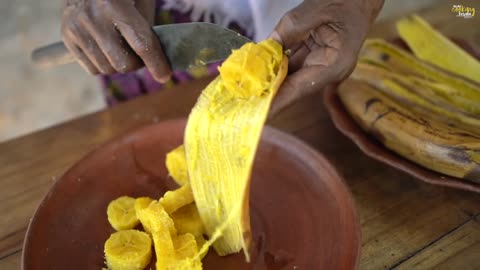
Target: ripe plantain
point(432, 144)
point(464, 94)
point(430, 45)
point(421, 95)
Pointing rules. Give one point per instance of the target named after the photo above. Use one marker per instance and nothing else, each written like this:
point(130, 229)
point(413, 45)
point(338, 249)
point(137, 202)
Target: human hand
point(324, 38)
point(109, 36)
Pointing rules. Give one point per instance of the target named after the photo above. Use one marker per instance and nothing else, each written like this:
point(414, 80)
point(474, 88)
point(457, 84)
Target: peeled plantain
point(221, 138)
point(430, 143)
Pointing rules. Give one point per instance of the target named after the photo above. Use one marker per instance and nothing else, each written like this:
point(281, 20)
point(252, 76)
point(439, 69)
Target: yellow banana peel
point(430, 45)
point(222, 135)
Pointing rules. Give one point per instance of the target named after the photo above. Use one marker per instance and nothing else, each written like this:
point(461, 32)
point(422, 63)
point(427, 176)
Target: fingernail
point(275, 36)
point(164, 79)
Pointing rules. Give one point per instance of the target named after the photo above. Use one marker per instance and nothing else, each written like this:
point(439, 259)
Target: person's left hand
point(324, 38)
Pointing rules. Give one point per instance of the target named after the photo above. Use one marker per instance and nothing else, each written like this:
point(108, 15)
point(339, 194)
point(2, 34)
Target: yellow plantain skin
point(463, 93)
point(430, 45)
point(429, 143)
point(221, 138)
point(419, 93)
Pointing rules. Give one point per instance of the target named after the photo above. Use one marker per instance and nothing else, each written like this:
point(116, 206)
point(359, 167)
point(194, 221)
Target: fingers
point(140, 37)
point(121, 58)
point(90, 48)
point(70, 39)
point(321, 67)
point(300, 84)
point(297, 57)
point(113, 36)
point(83, 46)
point(81, 58)
point(295, 25)
point(312, 78)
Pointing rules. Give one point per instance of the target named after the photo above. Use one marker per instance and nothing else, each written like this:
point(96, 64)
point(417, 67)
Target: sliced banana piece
point(121, 213)
point(140, 204)
point(176, 199)
point(176, 164)
point(128, 250)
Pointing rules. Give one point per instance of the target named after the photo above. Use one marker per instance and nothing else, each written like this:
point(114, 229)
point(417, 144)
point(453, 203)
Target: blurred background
point(32, 98)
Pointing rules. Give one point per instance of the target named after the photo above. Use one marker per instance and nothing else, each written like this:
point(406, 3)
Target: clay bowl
point(372, 148)
point(302, 213)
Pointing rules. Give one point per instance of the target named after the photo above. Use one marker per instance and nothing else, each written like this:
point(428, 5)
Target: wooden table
point(406, 224)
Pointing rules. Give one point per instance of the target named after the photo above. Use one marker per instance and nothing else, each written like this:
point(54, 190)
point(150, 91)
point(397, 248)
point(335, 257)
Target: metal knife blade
point(185, 45)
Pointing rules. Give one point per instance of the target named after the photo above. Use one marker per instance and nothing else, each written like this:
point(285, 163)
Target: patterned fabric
point(121, 87)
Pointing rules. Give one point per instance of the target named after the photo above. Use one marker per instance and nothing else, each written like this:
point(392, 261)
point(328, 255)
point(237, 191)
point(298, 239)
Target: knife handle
point(52, 55)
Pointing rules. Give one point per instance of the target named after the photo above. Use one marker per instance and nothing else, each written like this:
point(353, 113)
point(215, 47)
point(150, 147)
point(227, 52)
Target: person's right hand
point(110, 36)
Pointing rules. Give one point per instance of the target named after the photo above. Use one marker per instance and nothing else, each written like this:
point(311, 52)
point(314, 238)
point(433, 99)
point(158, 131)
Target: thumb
point(302, 83)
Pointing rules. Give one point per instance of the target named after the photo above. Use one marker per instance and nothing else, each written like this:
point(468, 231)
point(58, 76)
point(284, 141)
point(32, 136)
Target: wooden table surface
point(406, 224)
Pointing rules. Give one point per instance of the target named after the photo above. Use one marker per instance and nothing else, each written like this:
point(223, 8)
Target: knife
point(185, 45)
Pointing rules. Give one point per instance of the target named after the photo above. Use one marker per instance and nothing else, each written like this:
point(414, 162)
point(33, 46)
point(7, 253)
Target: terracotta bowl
point(374, 149)
point(302, 213)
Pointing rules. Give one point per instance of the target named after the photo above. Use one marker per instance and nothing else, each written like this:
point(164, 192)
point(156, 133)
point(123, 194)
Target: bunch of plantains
point(424, 104)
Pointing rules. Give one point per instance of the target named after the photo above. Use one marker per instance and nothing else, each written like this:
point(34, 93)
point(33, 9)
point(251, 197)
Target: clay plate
point(302, 213)
point(374, 149)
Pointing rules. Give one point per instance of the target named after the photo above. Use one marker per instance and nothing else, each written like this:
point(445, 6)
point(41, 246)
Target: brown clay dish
point(302, 213)
point(374, 149)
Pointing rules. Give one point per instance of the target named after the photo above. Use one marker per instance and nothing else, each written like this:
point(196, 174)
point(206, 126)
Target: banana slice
point(155, 218)
point(176, 199)
point(186, 251)
point(187, 264)
point(140, 204)
point(187, 220)
point(128, 250)
point(163, 231)
point(177, 165)
point(185, 246)
point(121, 213)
